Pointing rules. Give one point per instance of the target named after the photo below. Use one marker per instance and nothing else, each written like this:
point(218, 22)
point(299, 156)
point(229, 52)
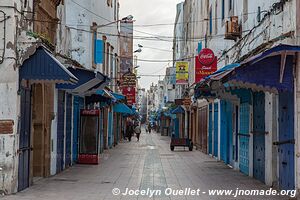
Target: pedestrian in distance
point(137, 131)
point(129, 129)
point(149, 128)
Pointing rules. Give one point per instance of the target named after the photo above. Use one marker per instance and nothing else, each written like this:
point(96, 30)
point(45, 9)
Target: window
point(245, 10)
point(223, 10)
point(107, 59)
point(230, 7)
point(210, 21)
point(216, 18)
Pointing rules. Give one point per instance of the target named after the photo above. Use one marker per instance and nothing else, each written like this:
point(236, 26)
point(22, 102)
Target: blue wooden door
point(176, 124)
point(110, 128)
point(259, 136)
point(60, 131)
point(77, 106)
point(286, 143)
point(226, 132)
point(24, 141)
point(244, 138)
point(210, 130)
point(216, 128)
point(68, 130)
point(229, 117)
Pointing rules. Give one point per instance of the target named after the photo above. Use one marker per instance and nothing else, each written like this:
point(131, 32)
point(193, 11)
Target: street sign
point(205, 64)
point(129, 80)
point(130, 94)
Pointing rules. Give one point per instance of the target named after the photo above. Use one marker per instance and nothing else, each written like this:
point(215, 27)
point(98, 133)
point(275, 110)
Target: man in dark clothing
point(129, 130)
point(149, 127)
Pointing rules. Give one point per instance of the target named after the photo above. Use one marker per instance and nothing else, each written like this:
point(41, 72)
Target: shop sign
point(182, 73)
point(129, 80)
point(205, 64)
point(130, 94)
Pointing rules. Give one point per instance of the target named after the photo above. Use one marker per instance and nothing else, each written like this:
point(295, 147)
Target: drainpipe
point(4, 36)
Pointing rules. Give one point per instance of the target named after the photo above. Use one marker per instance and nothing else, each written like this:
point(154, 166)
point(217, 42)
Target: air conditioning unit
point(233, 29)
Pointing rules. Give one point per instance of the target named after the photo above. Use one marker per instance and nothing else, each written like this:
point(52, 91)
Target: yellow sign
point(182, 73)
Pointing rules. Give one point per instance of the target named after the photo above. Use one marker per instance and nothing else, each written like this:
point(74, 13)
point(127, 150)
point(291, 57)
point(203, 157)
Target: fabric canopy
point(43, 66)
point(118, 96)
point(270, 71)
point(122, 108)
point(87, 81)
point(106, 93)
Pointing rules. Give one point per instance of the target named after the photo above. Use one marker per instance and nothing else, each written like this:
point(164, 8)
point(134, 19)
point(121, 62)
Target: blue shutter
point(223, 9)
point(199, 46)
point(210, 22)
point(99, 51)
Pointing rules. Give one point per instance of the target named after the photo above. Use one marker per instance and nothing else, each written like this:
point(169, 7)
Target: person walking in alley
point(149, 127)
point(129, 129)
point(137, 131)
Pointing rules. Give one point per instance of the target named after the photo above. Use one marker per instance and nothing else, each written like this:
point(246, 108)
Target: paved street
point(142, 165)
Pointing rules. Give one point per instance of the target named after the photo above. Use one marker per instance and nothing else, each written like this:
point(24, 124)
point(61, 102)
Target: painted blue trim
point(99, 51)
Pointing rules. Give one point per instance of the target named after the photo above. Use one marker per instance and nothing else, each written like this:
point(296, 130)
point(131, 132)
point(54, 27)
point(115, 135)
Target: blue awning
point(122, 108)
point(88, 81)
point(105, 93)
point(43, 66)
point(118, 96)
point(178, 110)
point(204, 87)
point(270, 71)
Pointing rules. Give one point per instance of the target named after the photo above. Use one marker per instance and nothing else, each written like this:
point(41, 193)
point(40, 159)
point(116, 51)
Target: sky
point(151, 12)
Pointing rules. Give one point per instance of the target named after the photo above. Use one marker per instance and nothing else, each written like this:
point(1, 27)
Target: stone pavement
point(145, 165)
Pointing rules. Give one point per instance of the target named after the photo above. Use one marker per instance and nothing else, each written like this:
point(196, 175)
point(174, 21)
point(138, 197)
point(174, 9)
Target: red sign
point(90, 112)
point(206, 57)
point(206, 64)
point(129, 92)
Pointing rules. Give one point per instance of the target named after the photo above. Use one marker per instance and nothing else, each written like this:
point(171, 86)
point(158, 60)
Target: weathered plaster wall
point(16, 45)
point(271, 28)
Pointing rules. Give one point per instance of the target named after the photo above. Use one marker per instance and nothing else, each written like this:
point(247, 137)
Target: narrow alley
point(142, 165)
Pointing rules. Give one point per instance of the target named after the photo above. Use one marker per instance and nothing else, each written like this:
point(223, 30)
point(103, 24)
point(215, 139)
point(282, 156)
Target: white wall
point(9, 86)
point(272, 27)
point(79, 17)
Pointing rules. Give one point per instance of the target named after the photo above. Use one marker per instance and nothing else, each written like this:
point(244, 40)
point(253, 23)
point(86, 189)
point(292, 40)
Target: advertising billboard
point(205, 64)
point(126, 46)
point(182, 73)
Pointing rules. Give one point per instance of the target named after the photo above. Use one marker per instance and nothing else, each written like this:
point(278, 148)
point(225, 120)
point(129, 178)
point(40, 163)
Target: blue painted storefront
point(263, 72)
point(110, 129)
point(216, 129)
point(286, 143)
point(68, 147)
point(259, 136)
point(78, 103)
point(226, 146)
point(210, 130)
point(244, 129)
